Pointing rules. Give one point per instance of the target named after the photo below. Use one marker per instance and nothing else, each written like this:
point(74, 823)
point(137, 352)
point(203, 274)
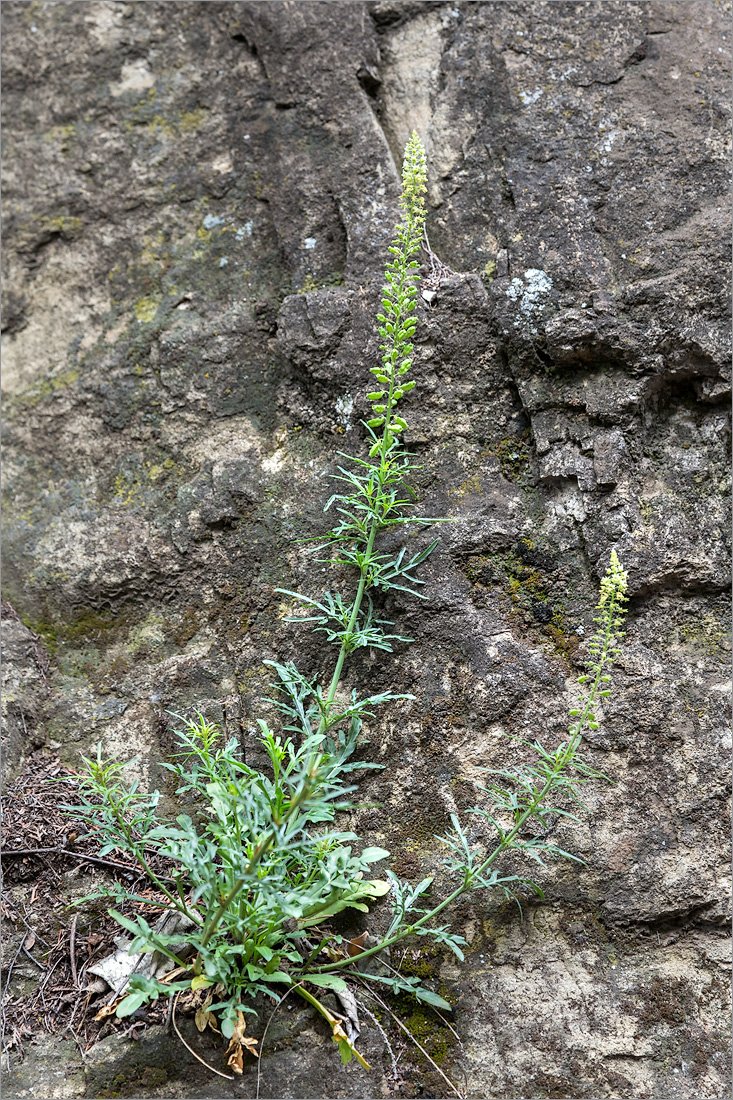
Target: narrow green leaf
point(433, 999)
point(130, 925)
point(346, 1051)
point(326, 981)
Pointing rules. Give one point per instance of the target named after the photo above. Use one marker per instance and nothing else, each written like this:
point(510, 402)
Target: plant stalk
point(507, 839)
point(413, 218)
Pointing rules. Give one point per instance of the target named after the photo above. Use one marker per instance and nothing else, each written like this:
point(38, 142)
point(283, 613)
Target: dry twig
point(383, 1033)
point(264, 1034)
point(72, 950)
point(20, 852)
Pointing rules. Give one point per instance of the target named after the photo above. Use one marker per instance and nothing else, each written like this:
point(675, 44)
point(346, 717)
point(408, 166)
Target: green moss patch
point(527, 583)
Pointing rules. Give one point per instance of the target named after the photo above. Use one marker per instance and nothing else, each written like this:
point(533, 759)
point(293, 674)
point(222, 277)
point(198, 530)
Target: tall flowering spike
point(376, 496)
point(397, 323)
point(614, 583)
point(414, 173)
point(605, 645)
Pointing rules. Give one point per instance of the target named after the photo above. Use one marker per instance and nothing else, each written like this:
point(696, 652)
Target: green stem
point(212, 923)
point(334, 1022)
point(507, 839)
point(411, 243)
point(352, 623)
point(126, 831)
point(409, 248)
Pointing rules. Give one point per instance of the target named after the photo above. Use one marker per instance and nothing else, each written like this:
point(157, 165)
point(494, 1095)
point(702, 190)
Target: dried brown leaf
point(107, 1010)
point(203, 1017)
point(357, 945)
point(238, 1043)
point(173, 974)
point(235, 1060)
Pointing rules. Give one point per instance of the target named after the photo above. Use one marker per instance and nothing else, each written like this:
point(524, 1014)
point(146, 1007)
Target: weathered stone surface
point(54, 1070)
point(24, 692)
point(198, 198)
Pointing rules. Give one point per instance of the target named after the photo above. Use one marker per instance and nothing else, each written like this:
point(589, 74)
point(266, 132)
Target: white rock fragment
point(116, 969)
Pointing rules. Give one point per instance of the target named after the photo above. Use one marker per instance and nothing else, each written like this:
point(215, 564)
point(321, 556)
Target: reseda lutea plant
point(253, 882)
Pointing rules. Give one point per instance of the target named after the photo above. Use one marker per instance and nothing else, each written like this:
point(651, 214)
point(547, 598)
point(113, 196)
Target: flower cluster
point(614, 582)
point(397, 323)
point(604, 646)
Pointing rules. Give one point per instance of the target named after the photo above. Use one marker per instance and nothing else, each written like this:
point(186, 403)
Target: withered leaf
point(238, 1043)
point(201, 1019)
point(357, 944)
point(235, 1060)
point(173, 974)
point(204, 1018)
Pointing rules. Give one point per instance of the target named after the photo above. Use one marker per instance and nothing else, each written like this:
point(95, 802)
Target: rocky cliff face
point(198, 198)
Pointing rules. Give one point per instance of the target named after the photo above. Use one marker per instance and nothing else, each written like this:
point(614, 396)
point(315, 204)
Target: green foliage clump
point(264, 866)
point(262, 869)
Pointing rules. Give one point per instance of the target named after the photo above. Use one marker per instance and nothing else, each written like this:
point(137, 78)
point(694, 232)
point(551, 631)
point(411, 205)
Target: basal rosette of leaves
point(262, 870)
